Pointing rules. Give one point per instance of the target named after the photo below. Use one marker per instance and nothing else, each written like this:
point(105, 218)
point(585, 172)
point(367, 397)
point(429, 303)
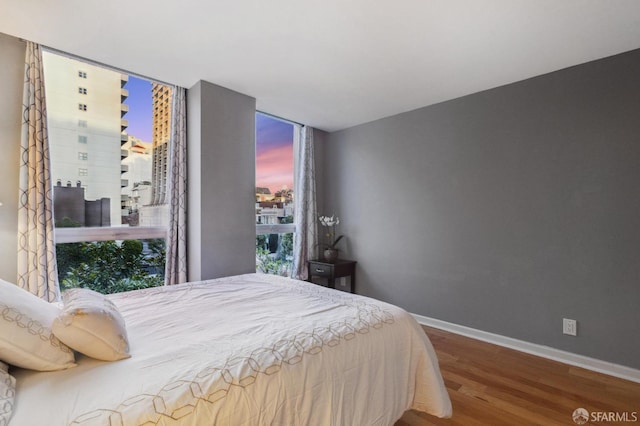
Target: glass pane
point(274, 254)
point(109, 135)
point(274, 170)
point(111, 266)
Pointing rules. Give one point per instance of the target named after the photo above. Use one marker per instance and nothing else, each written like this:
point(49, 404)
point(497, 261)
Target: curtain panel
point(305, 239)
point(176, 263)
point(37, 270)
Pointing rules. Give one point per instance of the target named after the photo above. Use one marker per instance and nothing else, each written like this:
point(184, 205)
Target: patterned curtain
point(37, 270)
point(176, 266)
point(306, 217)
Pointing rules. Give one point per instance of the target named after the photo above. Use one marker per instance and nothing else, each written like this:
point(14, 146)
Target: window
point(110, 223)
point(274, 194)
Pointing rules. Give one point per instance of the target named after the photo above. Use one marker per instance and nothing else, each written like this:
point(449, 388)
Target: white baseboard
point(593, 364)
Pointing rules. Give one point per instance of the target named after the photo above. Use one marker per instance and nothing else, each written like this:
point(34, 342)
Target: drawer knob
point(319, 270)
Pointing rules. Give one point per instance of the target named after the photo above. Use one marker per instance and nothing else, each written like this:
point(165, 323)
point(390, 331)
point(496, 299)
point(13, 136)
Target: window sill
point(76, 235)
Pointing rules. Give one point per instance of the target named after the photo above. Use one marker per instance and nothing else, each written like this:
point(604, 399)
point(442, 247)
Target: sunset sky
point(274, 153)
point(274, 138)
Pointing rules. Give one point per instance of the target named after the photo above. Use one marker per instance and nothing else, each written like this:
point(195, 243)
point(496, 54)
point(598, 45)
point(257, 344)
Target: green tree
point(68, 255)
point(274, 254)
point(286, 246)
point(111, 266)
point(267, 264)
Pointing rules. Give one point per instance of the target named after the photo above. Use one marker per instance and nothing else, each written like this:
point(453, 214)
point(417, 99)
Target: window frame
point(108, 233)
point(104, 233)
point(284, 228)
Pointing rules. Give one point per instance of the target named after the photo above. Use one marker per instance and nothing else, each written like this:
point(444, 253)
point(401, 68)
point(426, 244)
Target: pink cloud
point(274, 168)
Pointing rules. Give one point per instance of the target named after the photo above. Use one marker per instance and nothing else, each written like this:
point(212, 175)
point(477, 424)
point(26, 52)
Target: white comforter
point(246, 350)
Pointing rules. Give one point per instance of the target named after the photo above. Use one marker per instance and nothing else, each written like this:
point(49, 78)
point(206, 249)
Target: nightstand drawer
point(329, 272)
point(321, 270)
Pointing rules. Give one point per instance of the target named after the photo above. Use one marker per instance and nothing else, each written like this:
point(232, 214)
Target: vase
point(330, 254)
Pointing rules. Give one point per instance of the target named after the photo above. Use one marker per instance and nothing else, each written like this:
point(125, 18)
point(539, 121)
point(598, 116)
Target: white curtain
point(306, 237)
point(37, 270)
point(176, 266)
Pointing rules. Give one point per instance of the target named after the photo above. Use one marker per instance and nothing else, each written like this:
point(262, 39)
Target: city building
point(161, 135)
point(156, 213)
point(137, 157)
point(86, 127)
point(273, 209)
point(263, 194)
point(71, 209)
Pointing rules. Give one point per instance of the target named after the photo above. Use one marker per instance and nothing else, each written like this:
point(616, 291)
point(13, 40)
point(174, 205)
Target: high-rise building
point(157, 212)
point(161, 135)
point(85, 106)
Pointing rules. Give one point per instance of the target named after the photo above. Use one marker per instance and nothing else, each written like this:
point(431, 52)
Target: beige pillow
point(26, 339)
point(7, 394)
point(91, 324)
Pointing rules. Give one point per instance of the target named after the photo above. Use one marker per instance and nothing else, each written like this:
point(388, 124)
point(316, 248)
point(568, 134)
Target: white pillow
point(26, 339)
point(7, 394)
point(91, 324)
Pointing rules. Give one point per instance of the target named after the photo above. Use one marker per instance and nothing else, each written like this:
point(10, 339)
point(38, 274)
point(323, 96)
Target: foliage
point(157, 255)
point(267, 264)
point(286, 244)
point(274, 254)
point(66, 222)
point(111, 266)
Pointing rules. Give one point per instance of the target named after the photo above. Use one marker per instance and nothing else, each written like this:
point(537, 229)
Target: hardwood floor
point(492, 385)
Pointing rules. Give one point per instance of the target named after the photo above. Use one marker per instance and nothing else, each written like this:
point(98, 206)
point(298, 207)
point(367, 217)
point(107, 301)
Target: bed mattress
point(246, 350)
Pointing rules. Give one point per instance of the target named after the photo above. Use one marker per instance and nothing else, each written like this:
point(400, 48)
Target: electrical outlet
point(570, 327)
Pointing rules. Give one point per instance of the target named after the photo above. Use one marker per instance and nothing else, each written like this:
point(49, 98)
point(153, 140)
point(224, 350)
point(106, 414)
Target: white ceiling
point(333, 63)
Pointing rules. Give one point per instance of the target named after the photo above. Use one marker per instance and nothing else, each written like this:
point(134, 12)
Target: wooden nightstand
point(332, 270)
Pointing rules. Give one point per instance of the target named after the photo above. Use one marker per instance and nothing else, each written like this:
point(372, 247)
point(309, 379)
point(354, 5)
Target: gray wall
point(12, 53)
point(505, 210)
point(221, 155)
point(319, 141)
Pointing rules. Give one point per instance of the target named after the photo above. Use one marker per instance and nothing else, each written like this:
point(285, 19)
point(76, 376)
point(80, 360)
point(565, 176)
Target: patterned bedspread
point(246, 350)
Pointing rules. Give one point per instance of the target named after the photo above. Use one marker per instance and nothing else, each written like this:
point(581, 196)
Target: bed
point(252, 349)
